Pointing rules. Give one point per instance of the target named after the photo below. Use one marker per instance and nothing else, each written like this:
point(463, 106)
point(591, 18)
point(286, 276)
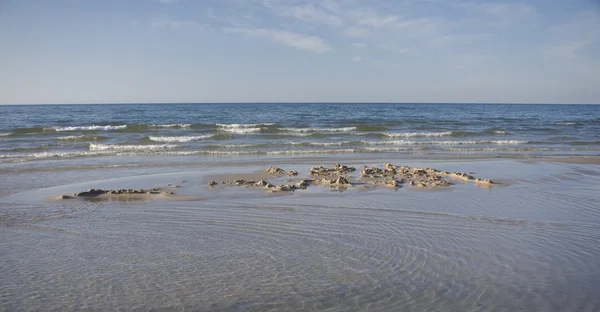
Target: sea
point(46, 132)
point(528, 242)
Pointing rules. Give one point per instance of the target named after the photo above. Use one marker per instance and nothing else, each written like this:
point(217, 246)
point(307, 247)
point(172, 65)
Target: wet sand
point(529, 242)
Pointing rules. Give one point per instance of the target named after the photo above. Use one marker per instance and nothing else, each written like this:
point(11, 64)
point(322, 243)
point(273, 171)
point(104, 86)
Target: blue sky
point(114, 51)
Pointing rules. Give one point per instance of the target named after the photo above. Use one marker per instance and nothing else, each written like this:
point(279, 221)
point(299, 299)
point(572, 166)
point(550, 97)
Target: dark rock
point(212, 183)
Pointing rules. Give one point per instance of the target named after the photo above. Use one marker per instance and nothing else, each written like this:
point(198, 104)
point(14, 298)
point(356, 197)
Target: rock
point(212, 183)
point(91, 192)
point(393, 183)
point(269, 185)
point(340, 180)
point(337, 168)
point(285, 187)
point(275, 171)
point(304, 183)
point(342, 168)
point(262, 183)
point(66, 197)
point(292, 173)
point(321, 171)
point(372, 172)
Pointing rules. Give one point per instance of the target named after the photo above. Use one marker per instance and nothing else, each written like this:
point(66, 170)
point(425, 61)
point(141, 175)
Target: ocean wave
point(407, 142)
point(322, 143)
point(418, 134)
point(232, 146)
point(3, 134)
point(566, 123)
point(87, 128)
point(292, 152)
point(80, 138)
point(241, 130)
point(103, 147)
point(311, 130)
point(179, 138)
point(243, 126)
point(171, 126)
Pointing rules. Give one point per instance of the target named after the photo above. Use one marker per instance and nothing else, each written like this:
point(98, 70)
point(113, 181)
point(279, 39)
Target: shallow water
point(530, 244)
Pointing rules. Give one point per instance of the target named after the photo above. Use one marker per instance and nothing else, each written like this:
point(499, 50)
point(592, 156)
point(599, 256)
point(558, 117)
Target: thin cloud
point(359, 45)
point(296, 40)
point(357, 59)
point(166, 23)
point(311, 13)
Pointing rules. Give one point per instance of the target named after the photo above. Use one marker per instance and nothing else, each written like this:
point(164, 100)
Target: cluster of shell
point(337, 177)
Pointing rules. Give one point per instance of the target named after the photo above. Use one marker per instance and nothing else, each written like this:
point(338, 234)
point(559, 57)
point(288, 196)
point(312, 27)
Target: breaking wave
point(87, 128)
point(418, 134)
point(311, 130)
point(81, 138)
point(104, 147)
point(179, 138)
point(407, 142)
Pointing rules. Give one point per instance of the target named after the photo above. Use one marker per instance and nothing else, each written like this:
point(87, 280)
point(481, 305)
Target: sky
point(161, 51)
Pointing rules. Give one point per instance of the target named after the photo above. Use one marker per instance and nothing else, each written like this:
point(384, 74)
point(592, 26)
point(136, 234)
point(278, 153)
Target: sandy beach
point(526, 242)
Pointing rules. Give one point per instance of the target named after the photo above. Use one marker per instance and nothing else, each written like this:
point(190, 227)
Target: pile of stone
point(337, 169)
point(98, 192)
point(337, 177)
point(280, 172)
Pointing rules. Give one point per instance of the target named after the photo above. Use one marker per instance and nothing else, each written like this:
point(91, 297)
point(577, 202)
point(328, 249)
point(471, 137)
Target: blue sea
point(34, 133)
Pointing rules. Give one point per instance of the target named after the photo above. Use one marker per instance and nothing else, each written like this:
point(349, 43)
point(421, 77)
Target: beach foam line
point(180, 138)
point(3, 134)
point(238, 126)
point(310, 130)
point(241, 130)
point(418, 134)
point(407, 142)
point(103, 147)
point(171, 126)
point(87, 128)
point(322, 143)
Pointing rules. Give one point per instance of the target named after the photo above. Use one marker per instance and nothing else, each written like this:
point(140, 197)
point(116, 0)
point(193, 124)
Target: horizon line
point(281, 102)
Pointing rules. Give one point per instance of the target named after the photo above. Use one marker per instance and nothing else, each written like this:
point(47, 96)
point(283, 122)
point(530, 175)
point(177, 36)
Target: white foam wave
point(78, 138)
point(291, 152)
point(418, 134)
point(501, 132)
point(388, 149)
point(312, 130)
point(566, 123)
point(236, 145)
point(179, 138)
point(104, 147)
point(241, 130)
point(4, 134)
point(322, 143)
point(407, 142)
point(241, 126)
point(87, 128)
point(171, 126)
